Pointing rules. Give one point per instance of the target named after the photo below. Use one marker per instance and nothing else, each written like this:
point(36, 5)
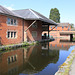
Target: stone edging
point(65, 67)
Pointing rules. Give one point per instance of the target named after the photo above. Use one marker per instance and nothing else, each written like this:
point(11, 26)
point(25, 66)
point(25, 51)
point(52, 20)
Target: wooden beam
point(30, 25)
point(52, 29)
point(48, 31)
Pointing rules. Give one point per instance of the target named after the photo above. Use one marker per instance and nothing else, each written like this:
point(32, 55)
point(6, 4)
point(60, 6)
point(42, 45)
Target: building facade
point(61, 27)
point(21, 25)
point(57, 31)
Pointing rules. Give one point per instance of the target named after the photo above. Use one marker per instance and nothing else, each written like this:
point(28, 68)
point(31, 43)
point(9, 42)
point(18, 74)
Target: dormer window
point(11, 21)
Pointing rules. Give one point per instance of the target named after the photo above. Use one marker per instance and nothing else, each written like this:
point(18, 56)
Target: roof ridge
point(34, 13)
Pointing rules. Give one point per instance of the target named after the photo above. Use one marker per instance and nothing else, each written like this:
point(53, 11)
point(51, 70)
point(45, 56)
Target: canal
point(42, 59)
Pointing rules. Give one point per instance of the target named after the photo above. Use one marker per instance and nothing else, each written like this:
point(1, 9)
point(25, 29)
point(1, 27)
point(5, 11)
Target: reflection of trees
point(39, 59)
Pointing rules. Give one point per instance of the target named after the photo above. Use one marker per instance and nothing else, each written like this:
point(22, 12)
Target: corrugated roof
point(29, 14)
point(5, 11)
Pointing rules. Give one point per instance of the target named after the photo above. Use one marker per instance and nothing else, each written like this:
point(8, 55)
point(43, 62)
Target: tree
point(55, 15)
point(72, 25)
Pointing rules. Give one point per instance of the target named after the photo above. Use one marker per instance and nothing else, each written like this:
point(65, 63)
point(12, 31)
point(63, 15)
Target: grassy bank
point(14, 46)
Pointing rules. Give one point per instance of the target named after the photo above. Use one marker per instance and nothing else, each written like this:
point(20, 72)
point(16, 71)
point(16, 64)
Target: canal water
point(43, 59)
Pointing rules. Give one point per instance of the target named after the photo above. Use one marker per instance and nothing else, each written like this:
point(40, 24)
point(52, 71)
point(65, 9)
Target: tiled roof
point(60, 24)
point(30, 14)
point(27, 14)
point(5, 11)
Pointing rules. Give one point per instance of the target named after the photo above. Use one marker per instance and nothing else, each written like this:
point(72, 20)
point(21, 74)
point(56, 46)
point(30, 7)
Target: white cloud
point(9, 7)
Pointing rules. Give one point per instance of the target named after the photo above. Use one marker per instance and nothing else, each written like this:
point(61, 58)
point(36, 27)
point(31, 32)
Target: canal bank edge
point(9, 47)
point(65, 67)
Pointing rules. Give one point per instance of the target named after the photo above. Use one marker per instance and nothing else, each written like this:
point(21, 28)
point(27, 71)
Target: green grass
point(73, 38)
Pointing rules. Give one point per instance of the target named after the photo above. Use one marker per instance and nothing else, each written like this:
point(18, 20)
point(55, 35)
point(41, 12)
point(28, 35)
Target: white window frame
point(13, 21)
point(11, 59)
point(10, 34)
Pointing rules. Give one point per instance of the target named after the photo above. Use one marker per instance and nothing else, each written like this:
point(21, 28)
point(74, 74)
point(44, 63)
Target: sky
point(66, 7)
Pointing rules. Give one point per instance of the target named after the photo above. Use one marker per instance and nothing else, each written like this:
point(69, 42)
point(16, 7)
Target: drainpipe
point(23, 31)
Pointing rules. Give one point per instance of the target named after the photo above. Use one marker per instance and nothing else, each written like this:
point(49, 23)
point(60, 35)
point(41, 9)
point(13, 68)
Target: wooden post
point(48, 31)
point(71, 37)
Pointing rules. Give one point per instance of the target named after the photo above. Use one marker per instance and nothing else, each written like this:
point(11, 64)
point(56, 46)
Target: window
point(12, 59)
point(11, 21)
point(15, 58)
point(14, 34)
point(9, 61)
point(34, 25)
point(34, 33)
point(8, 34)
point(62, 27)
point(15, 22)
point(8, 21)
point(11, 34)
point(66, 26)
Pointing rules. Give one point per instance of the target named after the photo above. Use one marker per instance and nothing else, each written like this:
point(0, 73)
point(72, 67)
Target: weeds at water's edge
point(14, 46)
point(68, 65)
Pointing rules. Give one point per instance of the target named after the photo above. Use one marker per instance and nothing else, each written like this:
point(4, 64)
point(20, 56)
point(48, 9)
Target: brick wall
point(4, 28)
point(52, 33)
point(5, 67)
point(29, 31)
point(19, 29)
point(59, 28)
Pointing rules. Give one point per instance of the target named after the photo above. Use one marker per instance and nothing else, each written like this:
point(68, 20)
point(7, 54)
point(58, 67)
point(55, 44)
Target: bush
point(25, 44)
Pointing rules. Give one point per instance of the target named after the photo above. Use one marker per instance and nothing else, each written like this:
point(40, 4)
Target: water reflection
point(31, 60)
point(60, 44)
point(42, 59)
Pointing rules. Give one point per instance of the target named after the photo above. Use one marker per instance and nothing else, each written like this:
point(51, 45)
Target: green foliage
point(37, 42)
point(25, 44)
point(32, 43)
point(55, 15)
point(8, 48)
point(72, 25)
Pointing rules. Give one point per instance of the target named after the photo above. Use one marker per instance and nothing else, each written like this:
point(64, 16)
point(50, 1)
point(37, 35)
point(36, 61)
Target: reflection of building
point(64, 45)
point(26, 61)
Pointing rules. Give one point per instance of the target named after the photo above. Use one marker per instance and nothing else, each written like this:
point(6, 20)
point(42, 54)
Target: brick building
point(61, 27)
point(55, 31)
point(21, 25)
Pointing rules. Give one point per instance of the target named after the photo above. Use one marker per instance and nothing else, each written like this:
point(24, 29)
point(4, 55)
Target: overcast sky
point(65, 7)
